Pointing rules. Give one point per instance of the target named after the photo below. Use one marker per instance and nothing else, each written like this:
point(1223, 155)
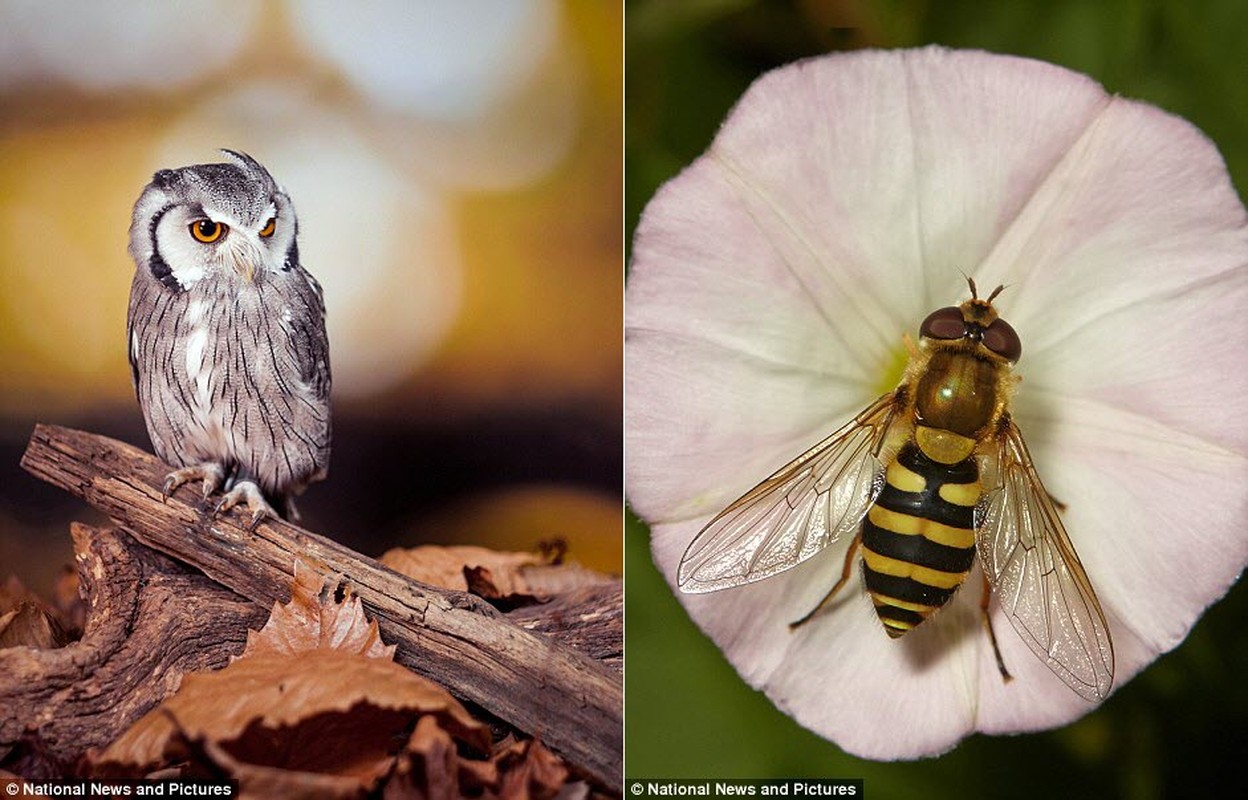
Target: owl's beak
point(244, 265)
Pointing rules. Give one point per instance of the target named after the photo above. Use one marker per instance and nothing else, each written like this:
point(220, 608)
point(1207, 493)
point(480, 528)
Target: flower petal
point(739, 417)
point(771, 284)
point(839, 673)
point(1139, 208)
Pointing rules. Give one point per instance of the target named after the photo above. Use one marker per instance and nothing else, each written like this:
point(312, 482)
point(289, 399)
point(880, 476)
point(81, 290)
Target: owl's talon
point(212, 475)
point(248, 494)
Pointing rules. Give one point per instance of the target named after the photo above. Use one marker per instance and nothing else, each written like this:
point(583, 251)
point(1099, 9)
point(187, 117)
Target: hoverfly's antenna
point(975, 292)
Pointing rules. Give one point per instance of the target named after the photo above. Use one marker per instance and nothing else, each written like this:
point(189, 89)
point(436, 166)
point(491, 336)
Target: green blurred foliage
point(1176, 730)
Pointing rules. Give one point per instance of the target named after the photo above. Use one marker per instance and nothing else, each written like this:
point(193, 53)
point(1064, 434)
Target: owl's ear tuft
point(243, 160)
point(248, 163)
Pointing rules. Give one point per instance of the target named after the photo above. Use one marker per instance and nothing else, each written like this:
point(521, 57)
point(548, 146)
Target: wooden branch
point(589, 620)
point(530, 681)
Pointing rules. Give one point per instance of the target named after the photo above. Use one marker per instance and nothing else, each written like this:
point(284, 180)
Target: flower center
point(894, 368)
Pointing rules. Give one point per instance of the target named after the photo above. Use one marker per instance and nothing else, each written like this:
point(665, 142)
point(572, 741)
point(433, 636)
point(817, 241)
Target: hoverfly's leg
point(1058, 504)
point(849, 565)
point(992, 637)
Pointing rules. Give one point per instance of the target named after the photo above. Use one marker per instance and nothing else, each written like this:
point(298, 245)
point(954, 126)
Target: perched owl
point(227, 337)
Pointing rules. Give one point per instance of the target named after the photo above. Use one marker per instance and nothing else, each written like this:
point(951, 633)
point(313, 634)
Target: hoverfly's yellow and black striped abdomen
point(918, 538)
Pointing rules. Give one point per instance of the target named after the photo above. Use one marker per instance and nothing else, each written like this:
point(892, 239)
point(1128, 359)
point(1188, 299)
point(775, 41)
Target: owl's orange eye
point(207, 231)
point(268, 228)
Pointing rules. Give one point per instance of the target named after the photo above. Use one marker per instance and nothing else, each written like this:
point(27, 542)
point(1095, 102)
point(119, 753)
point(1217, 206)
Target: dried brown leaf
point(553, 550)
point(316, 618)
point(29, 625)
point(268, 706)
point(26, 621)
point(556, 579)
point(481, 582)
point(315, 706)
point(528, 770)
point(428, 768)
point(506, 579)
point(261, 782)
point(444, 566)
point(13, 593)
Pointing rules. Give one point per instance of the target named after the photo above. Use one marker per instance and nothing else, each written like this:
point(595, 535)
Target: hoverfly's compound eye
point(1001, 339)
point(207, 231)
point(944, 323)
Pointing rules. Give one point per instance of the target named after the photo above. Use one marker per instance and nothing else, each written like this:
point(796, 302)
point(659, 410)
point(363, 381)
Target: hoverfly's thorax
point(958, 392)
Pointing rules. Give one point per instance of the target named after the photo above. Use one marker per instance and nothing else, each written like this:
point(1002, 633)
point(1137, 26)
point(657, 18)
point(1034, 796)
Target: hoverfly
point(926, 477)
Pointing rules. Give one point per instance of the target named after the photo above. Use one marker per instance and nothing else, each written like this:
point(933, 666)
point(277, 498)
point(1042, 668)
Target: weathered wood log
point(150, 621)
point(529, 680)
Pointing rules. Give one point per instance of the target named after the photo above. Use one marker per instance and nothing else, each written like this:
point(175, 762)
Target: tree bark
point(539, 676)
point(150, 621)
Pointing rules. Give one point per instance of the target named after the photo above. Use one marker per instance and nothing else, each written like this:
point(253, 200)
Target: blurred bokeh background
point(1177, 730)
point(455, 167)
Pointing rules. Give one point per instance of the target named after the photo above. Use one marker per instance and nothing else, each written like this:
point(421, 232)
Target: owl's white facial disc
point(239, 252)
point(227, 222)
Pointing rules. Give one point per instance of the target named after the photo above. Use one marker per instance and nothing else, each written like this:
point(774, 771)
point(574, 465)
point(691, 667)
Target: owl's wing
point(131, 346)
point(139, 313)
point(312, 345)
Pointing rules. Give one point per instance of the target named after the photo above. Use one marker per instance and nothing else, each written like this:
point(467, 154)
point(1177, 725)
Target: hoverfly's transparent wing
point(1036, 574)
point(798, 511)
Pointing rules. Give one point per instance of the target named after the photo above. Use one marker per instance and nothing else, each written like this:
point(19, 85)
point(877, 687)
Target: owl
point(227, 338)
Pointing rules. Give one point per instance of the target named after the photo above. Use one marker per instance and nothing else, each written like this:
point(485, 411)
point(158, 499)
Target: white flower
point(772, 281)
